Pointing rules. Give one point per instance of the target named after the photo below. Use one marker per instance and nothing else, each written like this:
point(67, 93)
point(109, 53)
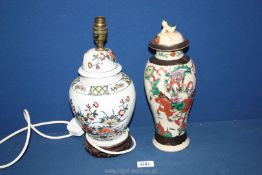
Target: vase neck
point(174, 55)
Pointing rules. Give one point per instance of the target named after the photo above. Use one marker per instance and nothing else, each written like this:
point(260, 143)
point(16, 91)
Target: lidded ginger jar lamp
point(103, 98)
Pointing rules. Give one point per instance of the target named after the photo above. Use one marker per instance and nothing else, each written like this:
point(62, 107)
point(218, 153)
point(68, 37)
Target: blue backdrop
point(42, 45)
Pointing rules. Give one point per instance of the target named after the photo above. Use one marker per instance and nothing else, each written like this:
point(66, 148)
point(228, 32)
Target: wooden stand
point(126, 144)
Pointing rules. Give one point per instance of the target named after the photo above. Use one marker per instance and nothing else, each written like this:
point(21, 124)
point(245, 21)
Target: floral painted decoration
point(99, 123)
point(99, 57)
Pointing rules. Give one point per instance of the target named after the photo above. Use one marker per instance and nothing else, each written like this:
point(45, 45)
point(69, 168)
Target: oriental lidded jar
point(170, 83)
point(103, 98)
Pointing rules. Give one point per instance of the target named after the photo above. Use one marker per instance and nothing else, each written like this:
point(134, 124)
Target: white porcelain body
point(169, 91)
point(103, 106)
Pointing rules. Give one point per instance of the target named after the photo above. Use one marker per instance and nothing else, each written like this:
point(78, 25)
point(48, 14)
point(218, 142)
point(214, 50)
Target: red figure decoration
point(164, 105)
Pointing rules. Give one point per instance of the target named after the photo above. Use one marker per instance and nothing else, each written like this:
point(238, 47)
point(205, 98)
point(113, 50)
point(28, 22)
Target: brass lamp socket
point(100, 32)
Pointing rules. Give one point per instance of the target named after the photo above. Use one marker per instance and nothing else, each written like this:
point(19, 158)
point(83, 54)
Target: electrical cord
point(33, 127)
point(28, 128)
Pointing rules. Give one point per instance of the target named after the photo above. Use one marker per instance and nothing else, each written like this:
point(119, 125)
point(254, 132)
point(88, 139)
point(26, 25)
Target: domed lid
point(169, 39)
point(99, 62)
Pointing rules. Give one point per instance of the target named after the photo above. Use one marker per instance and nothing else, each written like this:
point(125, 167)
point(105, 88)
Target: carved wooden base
point(126, 144)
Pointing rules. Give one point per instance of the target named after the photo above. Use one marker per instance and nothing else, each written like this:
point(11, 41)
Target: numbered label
point(145, 164)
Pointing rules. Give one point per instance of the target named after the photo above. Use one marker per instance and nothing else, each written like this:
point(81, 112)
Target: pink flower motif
point(127, 98)
point(121, 101)
point(91, 118)
point(179, 76)
point(177, 99)
point(121, 112)
point(96, 104)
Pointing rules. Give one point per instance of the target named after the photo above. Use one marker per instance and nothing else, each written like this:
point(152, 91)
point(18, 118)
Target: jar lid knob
point(168, 39)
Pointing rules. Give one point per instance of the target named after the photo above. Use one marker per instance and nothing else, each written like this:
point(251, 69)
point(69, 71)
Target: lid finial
point(168, 39)
point(167, 28)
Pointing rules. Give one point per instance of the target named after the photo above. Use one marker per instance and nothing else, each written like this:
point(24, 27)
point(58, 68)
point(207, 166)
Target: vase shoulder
point(105, 87)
